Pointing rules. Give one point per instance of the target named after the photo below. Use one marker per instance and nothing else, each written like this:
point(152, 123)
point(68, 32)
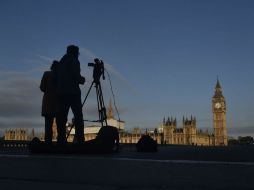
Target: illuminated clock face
point(217, 105)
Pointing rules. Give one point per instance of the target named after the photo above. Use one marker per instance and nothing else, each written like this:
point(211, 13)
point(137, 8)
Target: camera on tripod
point(98, 70)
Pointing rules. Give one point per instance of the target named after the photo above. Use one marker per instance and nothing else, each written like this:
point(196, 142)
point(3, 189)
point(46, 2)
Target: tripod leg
point(98, 104)
point(103, 113)
point(87, 93)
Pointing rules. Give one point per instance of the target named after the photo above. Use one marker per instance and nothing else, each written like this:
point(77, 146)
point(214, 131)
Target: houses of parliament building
point(166, 133)
point(188, 134)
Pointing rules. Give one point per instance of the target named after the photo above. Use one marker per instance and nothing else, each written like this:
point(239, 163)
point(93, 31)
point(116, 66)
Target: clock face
point(217, 105)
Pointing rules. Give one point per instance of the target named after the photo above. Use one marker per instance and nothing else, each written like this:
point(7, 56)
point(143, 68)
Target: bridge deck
point(166, 169)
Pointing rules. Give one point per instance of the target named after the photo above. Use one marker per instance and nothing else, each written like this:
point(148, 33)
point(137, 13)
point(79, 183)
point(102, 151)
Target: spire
point(33, 133)
point(168, 122)
point(164, 121)
point(218, 90)
point(110, 113)
point(218, 83)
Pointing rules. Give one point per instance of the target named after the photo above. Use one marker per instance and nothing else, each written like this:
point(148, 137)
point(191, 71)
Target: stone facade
point(18, 134)
point(188, 134)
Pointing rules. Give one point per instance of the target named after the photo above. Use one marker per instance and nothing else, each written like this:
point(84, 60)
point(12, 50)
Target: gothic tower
point(110, 113)
point(219, 117)
point(169, 126)
point(190, 130)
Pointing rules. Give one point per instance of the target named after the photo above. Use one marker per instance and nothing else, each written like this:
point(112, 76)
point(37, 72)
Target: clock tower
point(219, 117)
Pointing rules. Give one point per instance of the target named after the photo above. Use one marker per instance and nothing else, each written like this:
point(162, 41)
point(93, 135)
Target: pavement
point(172, 167)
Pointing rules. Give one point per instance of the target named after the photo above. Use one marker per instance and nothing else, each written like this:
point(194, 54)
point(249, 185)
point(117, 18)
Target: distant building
point(18, 134)
point(132, 137)
point(188, 134)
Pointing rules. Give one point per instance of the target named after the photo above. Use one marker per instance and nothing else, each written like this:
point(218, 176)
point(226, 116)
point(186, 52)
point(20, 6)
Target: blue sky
point(163, 57)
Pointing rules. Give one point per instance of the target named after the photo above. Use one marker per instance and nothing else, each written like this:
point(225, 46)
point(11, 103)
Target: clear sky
point(163, 57)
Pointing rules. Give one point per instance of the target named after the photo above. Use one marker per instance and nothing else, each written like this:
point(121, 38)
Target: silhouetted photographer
point(69, 95)
point(49, 102)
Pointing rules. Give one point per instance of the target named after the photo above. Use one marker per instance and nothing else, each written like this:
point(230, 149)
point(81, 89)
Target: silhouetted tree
point(248, 140)
point(232, 142)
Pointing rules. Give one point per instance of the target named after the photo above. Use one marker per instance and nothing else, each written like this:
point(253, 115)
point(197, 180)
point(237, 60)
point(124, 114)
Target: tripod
point(100, 103)
point(97, 72)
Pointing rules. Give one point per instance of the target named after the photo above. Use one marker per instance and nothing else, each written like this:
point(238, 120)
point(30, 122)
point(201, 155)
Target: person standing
point(69, 95)
point(49, 102)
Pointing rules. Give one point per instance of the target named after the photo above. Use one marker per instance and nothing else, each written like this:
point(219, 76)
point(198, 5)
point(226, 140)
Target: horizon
point(163, 58)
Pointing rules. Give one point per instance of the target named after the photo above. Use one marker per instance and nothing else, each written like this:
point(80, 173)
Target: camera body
point(97, 62)
point(98, 69)
point(90, 64)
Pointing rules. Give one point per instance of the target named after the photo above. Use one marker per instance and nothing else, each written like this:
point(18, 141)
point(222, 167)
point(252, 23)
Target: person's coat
point(68, 75)
point(49, 87)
